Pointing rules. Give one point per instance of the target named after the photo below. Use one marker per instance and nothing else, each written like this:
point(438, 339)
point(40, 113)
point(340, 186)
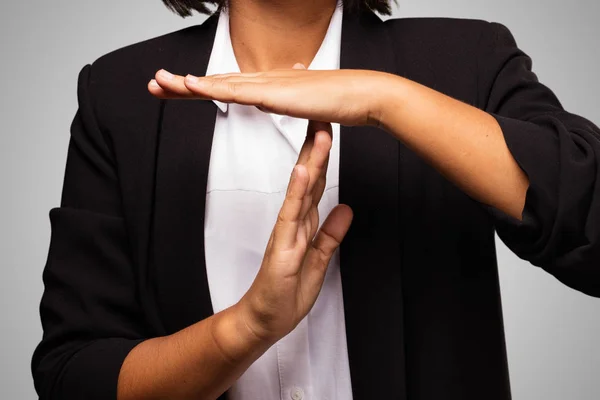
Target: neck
point(270, 34)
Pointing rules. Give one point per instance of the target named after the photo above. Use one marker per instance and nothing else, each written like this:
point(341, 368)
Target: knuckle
point(326, 245)
point(334, 243)
point(289, 194)
point(280, 219)
point(265, 104)
point(215, 82)
point(233, 88)
point(323, 255)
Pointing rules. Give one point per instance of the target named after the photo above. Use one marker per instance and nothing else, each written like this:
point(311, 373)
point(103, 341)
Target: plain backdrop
point(552, 331)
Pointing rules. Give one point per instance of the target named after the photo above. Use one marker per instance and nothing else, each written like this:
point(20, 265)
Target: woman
point(436, 133)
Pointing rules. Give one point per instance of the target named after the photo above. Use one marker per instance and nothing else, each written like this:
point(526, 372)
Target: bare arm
point(463, 143)
point(521, 154)
point(205, 359)
point(200, 361)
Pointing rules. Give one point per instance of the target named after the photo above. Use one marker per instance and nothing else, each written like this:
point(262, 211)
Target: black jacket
point(419, 274)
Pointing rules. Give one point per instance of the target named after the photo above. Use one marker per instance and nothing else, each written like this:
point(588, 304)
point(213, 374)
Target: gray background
point(552, 331)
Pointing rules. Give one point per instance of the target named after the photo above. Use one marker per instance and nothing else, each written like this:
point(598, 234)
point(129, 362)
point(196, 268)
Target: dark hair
point(185, 7)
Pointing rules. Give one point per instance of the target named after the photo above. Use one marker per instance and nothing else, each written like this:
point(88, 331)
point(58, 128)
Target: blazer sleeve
point(89, 312)
point(560, 154)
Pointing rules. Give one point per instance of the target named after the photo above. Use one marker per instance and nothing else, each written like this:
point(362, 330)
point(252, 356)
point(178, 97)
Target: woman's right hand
point(296, 258)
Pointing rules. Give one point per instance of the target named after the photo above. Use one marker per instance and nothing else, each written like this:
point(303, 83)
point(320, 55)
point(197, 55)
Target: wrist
point(253, 325)
point(386, 96)
point(236, 340)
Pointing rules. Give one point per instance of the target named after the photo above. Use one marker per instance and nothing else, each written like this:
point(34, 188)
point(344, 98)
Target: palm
point(296, 258)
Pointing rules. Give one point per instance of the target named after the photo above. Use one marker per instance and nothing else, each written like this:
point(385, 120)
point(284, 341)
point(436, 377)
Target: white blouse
point(252, 157)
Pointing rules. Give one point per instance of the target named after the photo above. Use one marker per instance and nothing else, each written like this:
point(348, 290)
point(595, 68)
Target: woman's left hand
point(348, 97)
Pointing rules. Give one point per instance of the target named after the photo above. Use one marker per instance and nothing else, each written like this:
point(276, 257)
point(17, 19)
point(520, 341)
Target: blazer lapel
point(183, 156)
point(371, 252)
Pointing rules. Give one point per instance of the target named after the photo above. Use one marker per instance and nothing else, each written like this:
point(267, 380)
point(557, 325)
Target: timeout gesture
point(297, 254)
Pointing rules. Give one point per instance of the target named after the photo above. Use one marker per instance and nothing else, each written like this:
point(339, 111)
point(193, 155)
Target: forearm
point(198, 362)
point(463, 143)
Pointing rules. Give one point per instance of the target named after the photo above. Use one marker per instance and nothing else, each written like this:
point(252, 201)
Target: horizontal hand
point(463, 143)
point(348, 97)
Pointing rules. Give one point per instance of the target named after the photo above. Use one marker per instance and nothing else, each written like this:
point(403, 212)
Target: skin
point(463, 143)
point(205, 359)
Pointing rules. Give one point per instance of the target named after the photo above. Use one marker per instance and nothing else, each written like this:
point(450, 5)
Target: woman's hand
point(348, 97)
point(463, 143)
point(297, 256)
point(203, 360)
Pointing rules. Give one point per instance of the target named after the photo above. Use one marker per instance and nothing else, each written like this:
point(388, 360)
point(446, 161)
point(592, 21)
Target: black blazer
point(419, 274)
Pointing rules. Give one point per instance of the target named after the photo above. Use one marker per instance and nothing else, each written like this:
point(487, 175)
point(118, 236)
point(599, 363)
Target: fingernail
point(153, 83)
point(295, 172)
point(166, 74)
point(191, 79)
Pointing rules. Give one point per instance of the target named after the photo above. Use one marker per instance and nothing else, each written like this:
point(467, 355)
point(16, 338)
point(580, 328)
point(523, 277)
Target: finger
point(161, 93)
point(296, 66)
point(307, 146)
point(237, 89)
point(288, 219)
point(273, 73)
point(317, 162)
point(311, 223)
point(244, 91)
point(168, 85)
point(319, 154)
point(321, 184)
point(172, 86)
point(313, 200)
point(310, 155)
point(312, 204)
point(322, 248)
point(235, 78)
point(303, 157)
point(176, 86)
point(318, 190)
point(236, 74)
point(315, 149)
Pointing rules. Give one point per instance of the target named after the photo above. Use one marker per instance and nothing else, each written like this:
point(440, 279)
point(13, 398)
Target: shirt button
point(296, 393)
